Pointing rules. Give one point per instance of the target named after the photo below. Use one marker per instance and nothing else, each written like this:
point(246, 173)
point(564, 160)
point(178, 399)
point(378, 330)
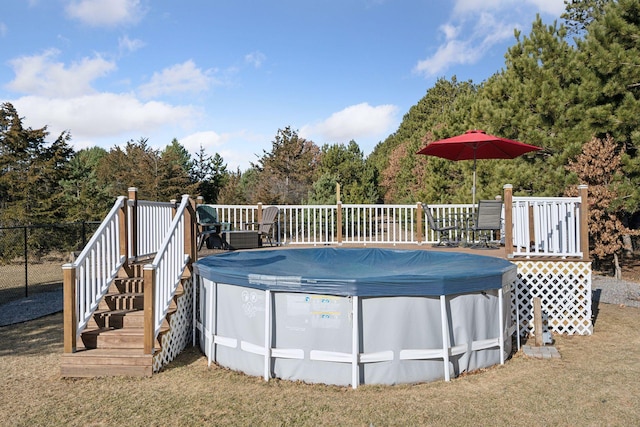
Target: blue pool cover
point(355, 271)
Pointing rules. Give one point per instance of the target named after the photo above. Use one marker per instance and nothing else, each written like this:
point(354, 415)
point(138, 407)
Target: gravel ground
point(607, 290)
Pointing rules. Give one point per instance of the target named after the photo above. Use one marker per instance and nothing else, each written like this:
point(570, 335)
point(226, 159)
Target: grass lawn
point(594, 383)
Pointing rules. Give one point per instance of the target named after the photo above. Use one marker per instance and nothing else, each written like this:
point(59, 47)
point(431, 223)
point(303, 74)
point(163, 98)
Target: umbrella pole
point(473, 188)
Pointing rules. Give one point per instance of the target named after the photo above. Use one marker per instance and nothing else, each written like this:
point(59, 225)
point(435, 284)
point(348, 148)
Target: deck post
point(339, 222)
point(508, 219)
point(133, 199)
point(584, 221)
point(123, 230)
point(174, 208)
point(149, 300)
point(190, 230)
point(69, 306)
point(259, 213)
point(419, 216)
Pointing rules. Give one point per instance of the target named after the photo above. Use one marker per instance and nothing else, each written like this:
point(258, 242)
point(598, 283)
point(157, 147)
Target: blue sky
point(226, 75)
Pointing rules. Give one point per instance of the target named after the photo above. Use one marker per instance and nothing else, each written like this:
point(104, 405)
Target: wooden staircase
point(112, 344)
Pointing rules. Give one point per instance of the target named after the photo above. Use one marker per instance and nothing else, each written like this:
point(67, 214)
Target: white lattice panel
point(564, 288)
point(180, 331)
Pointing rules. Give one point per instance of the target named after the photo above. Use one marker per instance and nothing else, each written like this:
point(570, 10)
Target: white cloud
point(479, 37)
point(452, 52)
point(449, 31)
point(238, 149)
point(470, 6)
point(101, 115)
point(474, 29)
point(206, 139)
point(354, 122)
point(41, 75)
point(551, 7)
point(125, 44)
point(255, 59)
point(185, 77)
point(100, 13)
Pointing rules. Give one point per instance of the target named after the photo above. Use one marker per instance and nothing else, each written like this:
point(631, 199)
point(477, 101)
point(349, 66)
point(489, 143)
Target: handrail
point(88, 278)
point(162, 276)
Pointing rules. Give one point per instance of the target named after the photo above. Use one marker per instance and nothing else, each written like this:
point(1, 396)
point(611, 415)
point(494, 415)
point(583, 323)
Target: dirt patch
point(630, 266)
point(631, 269)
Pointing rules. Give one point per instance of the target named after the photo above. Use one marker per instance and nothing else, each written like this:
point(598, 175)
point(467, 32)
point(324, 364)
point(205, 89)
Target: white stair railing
point(168, 266)
point(95, 268)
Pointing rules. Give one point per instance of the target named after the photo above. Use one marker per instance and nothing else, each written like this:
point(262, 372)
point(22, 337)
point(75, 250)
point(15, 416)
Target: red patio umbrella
point(476, 144)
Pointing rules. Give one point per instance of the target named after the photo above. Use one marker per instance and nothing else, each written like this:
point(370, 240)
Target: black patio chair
point(488, 219)
point(442, 231)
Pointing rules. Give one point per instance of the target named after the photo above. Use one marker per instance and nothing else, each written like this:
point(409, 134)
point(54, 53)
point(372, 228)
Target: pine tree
point(174, 178)
point(611, 86)
point(287, 171)
point(345, 165)
point(86, 200)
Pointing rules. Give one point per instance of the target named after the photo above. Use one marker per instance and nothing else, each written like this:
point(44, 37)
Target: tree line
point(571, 88)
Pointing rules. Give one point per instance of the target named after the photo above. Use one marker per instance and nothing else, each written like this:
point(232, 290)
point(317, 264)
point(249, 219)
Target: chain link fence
point(31, 257)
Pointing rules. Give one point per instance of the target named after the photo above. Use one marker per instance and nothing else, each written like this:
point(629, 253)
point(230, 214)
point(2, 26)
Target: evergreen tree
point(210, 174)
point(201, 173)
point(86, 200)
point(231, 193)
point(134, 166)
point(405, 176)
point(31, 171)
point(174, 168)
point(610, 89)
point(579, 14)
point(534, 100)
point(287, 171)
point(345, 165)
point(219, 176)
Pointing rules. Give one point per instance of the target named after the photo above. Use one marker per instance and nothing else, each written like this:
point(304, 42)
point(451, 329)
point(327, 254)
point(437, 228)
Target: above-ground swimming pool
point(354, 316)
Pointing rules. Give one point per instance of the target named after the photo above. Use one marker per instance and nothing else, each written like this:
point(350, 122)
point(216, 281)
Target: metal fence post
point(26, 264)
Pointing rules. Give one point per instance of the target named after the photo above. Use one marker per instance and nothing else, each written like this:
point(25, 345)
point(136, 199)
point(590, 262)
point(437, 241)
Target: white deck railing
point(541, 227)
point(148, 238)
point(546, 226)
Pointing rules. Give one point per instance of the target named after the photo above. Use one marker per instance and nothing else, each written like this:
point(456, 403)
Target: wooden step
point(127, 285)
point(117, 319)
point(132, 338)
point(123, 301)
point(113, 338)
point(106, 362)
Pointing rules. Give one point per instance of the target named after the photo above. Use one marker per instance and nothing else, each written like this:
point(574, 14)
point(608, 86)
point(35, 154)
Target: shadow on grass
point(187, 357)
point(43, 335)
point(595, 305)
